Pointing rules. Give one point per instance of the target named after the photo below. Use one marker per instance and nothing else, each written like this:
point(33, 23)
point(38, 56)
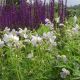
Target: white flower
point(53, 37)
point(35, 40)
point(50, 38)
point(64, 73)
point(47, 35)
point(1, 43)
point(76, 28)
point(27, 40)
point(44, 35)
point(7, 30)
point(23, 33)
point(49, 24)
point(9, 39)
point(47, 21)
point(64, 58)
point(14, 32)
point(50, 34)
point(58, 57)
point(61, 24)
point(30, 55)
point(52, 42)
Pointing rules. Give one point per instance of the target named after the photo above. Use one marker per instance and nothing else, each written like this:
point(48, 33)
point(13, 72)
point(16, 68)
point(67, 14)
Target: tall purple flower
point(65, 9)
point(36, 19)
point(52, 10)
point(43, 10)
point(61, 10)
point(23, 12)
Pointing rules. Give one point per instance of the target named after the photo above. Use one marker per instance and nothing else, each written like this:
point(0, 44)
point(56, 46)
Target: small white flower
point(50, 38)
point(7, 30)
point(58, 57)
point(64, 58)
point(1, 43)
point(48, 35)
point(49, 24)
point(47, 21)
point(61, 24)
point(9, 39)
point(64, 73)
point(23, 33)
point(35, 40)
point(44, 35)
point(27, 40)
point(53, 37)
point(52, 42)
point(30, 55)
point(14, 32)
point(76, 28)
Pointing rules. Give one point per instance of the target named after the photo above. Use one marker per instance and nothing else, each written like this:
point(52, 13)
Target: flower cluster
point(17, 38)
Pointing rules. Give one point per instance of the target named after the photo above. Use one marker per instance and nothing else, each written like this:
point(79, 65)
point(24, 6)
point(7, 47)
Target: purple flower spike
point(52, 10)
point(61, 10)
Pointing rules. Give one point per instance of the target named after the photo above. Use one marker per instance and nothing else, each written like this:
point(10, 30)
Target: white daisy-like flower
point(64, 73)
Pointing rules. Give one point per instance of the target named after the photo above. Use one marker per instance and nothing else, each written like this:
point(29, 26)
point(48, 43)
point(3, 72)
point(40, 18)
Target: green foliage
point(74, 10)
point(43, 29)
